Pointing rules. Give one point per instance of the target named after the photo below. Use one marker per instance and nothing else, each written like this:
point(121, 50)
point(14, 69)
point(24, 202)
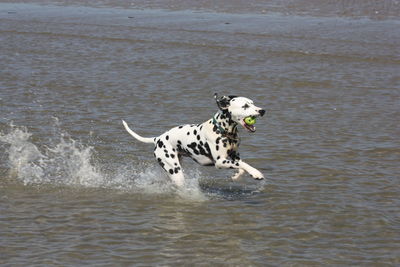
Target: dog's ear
point(223, 102)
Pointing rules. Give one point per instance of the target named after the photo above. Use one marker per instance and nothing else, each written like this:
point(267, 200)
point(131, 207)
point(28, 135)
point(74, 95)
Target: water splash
point(23, 156)
point(145, 178)
point(67, 162)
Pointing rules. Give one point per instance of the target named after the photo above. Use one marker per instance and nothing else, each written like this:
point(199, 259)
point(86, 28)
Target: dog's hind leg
point(177, 177)
point(167, 157)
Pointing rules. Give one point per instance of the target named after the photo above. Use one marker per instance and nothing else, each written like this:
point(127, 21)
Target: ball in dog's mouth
point(248, 123)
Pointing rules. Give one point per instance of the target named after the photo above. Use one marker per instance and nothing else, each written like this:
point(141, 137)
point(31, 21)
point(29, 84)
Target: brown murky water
point(76, 189)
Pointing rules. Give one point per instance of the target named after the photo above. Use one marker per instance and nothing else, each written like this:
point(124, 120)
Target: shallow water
point(76, 189)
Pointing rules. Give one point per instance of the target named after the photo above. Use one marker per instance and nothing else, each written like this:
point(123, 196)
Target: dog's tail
point(138, 137)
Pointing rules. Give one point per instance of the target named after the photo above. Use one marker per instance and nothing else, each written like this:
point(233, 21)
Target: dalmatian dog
point(212, 143)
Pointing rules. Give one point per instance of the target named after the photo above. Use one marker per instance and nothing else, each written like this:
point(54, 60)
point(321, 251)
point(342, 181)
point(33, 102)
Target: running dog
point(212, 143)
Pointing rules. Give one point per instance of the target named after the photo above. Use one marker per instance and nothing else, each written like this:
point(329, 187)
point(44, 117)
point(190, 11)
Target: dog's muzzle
point(251, 128)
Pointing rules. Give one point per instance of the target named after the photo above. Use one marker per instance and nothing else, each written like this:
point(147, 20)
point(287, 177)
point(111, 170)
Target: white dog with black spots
point(212, 143)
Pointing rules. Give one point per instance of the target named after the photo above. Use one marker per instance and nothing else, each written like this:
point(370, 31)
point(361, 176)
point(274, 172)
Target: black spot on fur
point(167, 137)
point(160, 143)
point(198, 137)
point(180, 127)
point(233, 154)
point(217, 147)
point(188, 133)
point(194, 132)
point(202, 150)
point(171, 171)
point(193, 146)
point(208, 148)
point(227, 114)
point(172, 155)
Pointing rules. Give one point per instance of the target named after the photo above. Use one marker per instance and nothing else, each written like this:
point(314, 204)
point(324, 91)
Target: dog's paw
point(257, 175)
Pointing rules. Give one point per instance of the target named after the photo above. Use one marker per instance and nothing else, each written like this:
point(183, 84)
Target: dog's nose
point(262, 112)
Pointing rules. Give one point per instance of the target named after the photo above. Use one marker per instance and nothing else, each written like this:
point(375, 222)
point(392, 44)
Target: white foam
point(147, 178)
point(67, 162)
point(23, 155)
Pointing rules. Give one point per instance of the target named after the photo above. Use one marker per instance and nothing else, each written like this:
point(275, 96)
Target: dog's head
point(239, 108)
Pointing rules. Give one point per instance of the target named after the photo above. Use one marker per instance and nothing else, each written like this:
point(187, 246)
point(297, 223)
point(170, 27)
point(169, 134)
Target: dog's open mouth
point(248, 124)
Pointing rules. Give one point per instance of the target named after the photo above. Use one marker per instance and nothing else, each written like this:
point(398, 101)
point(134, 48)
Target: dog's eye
point(246, 106)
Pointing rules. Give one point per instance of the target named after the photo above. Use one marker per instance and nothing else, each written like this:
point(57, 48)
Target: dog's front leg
point(241, 166)
point(256, 174)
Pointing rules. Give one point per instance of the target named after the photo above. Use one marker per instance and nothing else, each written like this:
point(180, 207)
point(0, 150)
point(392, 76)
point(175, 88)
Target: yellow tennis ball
point(250, 120)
